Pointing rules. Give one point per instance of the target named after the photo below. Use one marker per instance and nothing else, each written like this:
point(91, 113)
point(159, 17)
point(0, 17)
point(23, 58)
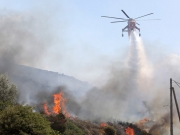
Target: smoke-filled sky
point(73, 39)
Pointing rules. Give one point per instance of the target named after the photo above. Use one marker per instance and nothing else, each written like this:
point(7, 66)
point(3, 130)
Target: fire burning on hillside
point(59, 105)
point(129, 131)
point(103, 124)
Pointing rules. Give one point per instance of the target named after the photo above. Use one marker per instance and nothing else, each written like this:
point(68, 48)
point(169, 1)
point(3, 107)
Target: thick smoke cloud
point(25, 39)
point(21, 40)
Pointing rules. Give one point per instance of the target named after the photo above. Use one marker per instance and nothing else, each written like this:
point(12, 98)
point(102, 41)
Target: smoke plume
point(135, 90)
point(25, 39)
point(122, 96)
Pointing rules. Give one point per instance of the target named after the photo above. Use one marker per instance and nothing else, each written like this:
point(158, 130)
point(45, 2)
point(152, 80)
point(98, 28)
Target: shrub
point(21, 120)
point(58, 122)
point(72, 129)
point(110, 130)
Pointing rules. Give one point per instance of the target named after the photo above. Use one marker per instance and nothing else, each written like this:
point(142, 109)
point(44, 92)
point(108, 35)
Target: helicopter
point(131, 23)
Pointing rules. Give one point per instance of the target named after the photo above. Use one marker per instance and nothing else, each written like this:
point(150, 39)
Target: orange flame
point(129, 131)
point(63, 104)
point(102, 124)
point(46, 109)
point(59, 105)
point(57, 102)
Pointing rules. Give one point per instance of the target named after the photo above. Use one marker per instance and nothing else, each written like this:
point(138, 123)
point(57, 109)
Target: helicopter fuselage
point(131, 24)
point(130, 27)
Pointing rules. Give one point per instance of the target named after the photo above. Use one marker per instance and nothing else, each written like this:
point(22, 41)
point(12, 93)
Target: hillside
point(32, 81)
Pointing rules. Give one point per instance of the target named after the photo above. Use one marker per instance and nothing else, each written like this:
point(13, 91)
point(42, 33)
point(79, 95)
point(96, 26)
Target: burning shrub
point(59, 105)
point(136, 129)
point(110, 130)
point(129, 131)
point(22, 120)
point(102, 124)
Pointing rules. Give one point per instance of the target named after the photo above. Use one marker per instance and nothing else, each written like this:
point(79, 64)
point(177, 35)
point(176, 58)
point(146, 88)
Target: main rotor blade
point(125, 14)
point(137, 23)
point(118, 21)
point(143, 16)
point(148, 20)
point(113, 17)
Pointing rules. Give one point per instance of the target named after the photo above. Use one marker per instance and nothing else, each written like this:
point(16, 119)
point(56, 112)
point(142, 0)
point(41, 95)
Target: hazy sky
point(85, 45)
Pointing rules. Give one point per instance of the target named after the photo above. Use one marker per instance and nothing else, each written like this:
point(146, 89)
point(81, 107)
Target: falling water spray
point(137, 63)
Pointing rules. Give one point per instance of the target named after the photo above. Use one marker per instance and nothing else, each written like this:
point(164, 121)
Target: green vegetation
point(66, 127)
point(8, 93)
point(22, 120)
point(17, 119)
point(72, 129)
